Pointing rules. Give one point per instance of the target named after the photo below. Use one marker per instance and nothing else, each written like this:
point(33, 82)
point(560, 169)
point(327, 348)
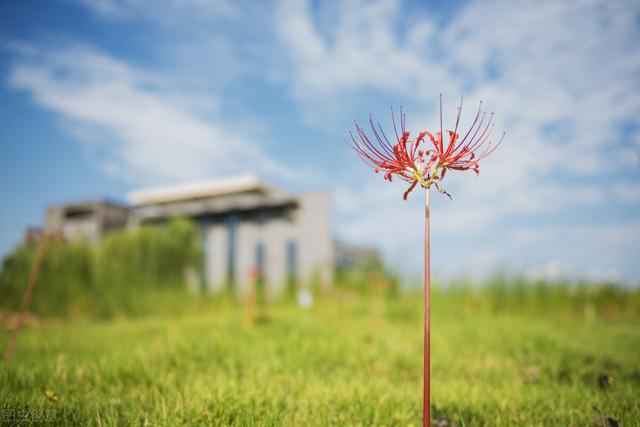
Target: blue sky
point(100, 97)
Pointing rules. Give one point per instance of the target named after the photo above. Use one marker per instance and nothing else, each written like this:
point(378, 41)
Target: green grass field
point(349, 360)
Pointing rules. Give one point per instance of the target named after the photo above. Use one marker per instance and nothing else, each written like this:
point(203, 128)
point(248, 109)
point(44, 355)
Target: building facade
point(86, 220)
point(251, 231)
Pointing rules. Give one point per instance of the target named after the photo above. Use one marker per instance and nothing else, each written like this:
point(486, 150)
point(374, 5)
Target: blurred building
point(251, 231)
point(87, 220)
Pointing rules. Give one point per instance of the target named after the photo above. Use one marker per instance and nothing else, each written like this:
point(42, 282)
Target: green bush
point(121, 275)
point(366, 277)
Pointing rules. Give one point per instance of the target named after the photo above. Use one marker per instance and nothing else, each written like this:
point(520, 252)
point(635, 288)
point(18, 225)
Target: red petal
point(411, 187)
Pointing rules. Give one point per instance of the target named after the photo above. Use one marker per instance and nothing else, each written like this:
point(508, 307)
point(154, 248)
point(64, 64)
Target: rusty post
point(26, 301)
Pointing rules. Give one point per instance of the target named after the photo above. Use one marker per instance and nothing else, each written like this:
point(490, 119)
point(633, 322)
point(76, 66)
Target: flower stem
point(427, 317)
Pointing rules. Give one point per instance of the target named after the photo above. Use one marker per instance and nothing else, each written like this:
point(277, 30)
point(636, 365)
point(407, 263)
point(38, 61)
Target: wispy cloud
point(165, 11)
point(147, 129)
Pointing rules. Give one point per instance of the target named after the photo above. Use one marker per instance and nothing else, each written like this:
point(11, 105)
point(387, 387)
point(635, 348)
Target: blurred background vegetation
point(131, 272)
point(141, 271)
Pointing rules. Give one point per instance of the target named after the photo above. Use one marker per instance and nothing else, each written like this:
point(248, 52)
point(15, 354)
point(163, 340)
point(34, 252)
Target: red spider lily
point(413, 164)
point(404, 158)
point(427, 167)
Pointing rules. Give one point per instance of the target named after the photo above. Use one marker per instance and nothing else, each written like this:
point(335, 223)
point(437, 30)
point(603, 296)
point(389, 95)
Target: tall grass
point(129, 272)
point(543, 297)
point(142, 271)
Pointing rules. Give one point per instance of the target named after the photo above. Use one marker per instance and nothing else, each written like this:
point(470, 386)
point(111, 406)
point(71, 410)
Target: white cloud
point(149, 131)
point(166, 11)
point(627, 192)
point(361, 51)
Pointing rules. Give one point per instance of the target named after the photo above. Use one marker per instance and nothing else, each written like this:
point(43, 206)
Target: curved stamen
point(484, 114)
point(481, 141)
point(368, 143)
point(471, 128)
point(475, 145)
point(384, 143)
point(441, 132)
point(455, 130)
point(488, 152)
point(388, 144)
point(393, 120)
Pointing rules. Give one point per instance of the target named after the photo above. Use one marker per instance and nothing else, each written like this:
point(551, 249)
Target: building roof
point(90, 205)
point(244, 193)
point(201, 190)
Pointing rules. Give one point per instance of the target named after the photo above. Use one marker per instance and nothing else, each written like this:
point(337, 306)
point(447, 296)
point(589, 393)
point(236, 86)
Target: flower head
point(416, 165)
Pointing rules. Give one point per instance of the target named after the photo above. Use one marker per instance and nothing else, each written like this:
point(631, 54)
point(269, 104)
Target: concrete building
point(251, 231)
point(86, 220)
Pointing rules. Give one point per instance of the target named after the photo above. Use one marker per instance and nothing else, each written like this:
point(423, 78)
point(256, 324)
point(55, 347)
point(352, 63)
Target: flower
point(404, 158)
point(408, 160)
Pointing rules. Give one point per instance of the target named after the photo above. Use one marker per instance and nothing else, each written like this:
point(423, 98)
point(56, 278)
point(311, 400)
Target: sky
point(101, 97)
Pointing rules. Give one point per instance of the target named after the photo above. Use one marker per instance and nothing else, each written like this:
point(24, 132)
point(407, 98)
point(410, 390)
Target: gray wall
point(89, 220)
point(309, 225)
point(316, 237)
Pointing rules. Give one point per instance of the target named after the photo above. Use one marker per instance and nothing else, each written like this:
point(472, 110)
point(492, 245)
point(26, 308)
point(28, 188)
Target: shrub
point(119, 275)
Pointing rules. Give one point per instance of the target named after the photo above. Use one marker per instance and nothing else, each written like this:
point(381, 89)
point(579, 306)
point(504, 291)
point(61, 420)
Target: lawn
point(349, 360)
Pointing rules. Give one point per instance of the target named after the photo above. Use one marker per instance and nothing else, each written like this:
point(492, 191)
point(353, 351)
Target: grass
point(350, 360)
